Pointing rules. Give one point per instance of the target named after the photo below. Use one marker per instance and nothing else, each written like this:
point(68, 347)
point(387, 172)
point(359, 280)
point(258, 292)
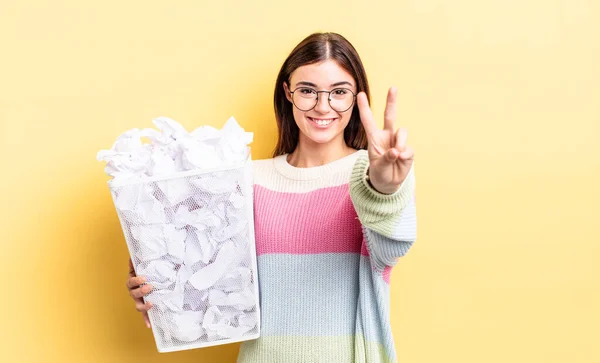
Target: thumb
point(146, 319)
point(391, 155)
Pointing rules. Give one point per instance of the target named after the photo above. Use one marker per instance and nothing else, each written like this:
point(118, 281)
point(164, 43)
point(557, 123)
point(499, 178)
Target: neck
point(309, 154)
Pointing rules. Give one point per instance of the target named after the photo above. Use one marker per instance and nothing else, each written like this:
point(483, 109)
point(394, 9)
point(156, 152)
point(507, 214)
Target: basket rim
point(116, 184)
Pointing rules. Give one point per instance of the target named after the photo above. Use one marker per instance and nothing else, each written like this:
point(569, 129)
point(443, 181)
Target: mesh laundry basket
point(192, 237)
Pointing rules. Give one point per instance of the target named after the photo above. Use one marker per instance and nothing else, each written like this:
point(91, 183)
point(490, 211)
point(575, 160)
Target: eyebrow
point(304, 83)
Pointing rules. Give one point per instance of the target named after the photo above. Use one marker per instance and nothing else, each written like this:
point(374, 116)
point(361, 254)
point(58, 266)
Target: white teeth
point(324, 122)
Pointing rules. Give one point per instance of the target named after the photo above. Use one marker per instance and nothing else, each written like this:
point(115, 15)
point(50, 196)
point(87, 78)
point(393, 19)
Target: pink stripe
point(387, 270)
point(321, 221)
point(387, 273)
point(364, 250)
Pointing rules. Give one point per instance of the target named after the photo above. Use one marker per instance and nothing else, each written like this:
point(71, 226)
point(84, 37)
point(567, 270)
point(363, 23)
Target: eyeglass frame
point(328, 98)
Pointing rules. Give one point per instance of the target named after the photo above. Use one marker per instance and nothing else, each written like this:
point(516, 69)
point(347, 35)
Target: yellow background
point(501, 100)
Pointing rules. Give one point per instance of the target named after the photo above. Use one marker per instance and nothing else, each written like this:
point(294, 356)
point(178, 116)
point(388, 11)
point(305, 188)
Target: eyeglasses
point(306, 98)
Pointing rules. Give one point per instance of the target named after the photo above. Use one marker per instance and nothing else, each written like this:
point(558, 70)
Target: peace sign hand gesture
point(390, 158)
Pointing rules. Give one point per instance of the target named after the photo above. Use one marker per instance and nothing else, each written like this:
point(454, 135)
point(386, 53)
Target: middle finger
point(135, 281)
point(389, 117)
point(401, 137)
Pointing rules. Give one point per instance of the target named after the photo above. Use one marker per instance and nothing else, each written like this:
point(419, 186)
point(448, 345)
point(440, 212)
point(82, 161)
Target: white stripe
point(277, 175)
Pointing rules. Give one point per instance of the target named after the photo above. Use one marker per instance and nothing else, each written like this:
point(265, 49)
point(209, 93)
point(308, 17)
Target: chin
point(323, 139)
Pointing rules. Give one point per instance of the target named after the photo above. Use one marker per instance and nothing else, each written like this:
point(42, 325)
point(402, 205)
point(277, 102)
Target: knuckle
point(130, 283)
point(137, 293)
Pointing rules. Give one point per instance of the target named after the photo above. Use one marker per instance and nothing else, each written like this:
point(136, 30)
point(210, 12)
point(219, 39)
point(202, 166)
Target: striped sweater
point(326, 242)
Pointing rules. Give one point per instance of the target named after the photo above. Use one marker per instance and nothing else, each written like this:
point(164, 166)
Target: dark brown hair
point(316, 48)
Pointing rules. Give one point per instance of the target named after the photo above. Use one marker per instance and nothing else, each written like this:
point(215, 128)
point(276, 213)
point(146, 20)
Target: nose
point(322, 103)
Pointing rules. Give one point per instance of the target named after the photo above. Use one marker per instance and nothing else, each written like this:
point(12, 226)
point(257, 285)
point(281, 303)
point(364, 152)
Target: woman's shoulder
point(265, 172)
point(265, 166)
point(263, 163)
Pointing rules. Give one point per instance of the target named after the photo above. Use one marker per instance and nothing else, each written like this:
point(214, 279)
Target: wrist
point(380, 189)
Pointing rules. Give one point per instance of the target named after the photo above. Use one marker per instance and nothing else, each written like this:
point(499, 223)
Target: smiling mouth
point(322, 121)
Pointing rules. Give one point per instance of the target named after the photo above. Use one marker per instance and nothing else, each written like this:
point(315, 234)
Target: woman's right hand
point(137, 292)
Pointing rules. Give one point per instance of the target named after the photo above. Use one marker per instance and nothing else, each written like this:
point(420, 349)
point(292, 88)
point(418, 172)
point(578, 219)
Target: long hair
point(316, 48)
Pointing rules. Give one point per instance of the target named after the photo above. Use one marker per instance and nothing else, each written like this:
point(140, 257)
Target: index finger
point(134, 282)
point(366, 116)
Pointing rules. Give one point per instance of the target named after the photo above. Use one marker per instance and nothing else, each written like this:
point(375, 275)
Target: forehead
point(323, 74)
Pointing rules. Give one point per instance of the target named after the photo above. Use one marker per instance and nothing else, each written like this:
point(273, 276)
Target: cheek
point(298, 116)
point(345, 118)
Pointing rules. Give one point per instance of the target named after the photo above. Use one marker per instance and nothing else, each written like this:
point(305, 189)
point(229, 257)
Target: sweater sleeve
point(389, 220)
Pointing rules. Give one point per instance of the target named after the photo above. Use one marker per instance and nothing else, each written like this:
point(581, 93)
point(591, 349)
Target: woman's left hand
point(390, 158)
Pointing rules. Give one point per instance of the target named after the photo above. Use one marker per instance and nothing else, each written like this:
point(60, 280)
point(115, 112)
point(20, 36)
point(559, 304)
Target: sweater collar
point(291, 172)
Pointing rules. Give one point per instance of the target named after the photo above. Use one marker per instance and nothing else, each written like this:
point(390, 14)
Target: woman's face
point(322, 124)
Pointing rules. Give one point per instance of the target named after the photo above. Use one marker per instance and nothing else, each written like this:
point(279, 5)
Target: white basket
point(192, 237)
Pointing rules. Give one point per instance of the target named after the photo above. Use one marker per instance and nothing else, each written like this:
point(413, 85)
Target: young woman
point(334, 209)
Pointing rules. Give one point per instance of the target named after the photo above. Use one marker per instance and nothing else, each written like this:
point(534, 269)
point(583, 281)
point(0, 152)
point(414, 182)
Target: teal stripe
point(309, 294)
point(318, 295)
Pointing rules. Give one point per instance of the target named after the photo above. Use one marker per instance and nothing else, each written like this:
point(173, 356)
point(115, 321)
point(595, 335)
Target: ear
point(288, 95)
